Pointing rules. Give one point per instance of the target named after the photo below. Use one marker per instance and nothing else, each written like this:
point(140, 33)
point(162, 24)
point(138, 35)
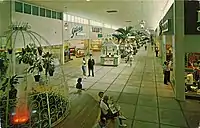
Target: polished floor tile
point(149, 114)
point(141, 124)
point(172, 117)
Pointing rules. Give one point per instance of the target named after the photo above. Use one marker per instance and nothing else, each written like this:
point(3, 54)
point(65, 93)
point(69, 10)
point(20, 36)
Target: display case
point(192, 75)
point(110, 54)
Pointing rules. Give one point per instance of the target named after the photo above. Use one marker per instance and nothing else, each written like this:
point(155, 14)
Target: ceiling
point(151, 11)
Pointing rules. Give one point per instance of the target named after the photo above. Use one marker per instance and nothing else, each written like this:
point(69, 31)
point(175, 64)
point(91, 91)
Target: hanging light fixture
point(142, 22)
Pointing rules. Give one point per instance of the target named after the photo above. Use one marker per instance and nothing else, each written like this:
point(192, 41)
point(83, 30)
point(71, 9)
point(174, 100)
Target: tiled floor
point(144, 99)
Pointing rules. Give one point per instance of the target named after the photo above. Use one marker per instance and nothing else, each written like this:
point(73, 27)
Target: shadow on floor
point(84, 112)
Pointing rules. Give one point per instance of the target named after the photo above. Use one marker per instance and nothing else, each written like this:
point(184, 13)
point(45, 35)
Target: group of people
point(109, 111)
point(90, 65)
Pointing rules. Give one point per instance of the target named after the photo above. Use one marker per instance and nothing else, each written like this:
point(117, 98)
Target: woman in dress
point(84, 67)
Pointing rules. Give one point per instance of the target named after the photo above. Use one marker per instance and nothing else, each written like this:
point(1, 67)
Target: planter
point(37, 78)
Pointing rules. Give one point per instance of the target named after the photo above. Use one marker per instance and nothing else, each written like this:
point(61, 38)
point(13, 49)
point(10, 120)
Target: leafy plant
point(123, 34)
point(4, 62)
point(13, 81)
point(48, 61)
point(27, 55)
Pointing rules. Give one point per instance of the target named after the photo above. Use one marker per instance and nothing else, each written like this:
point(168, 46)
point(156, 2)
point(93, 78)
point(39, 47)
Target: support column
point(179, 49)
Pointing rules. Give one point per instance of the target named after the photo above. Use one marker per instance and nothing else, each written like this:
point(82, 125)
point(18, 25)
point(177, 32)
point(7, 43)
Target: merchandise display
point(110, 54)
point(192, 75)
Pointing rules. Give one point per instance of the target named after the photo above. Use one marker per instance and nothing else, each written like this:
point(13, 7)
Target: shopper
point(84, 67)
point(156, 50)
point(131, 59)
point(166, 72)
point(91, 64)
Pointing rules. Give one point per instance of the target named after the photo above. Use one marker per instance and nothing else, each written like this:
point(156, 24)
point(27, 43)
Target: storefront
point(76, 40)
point(192, 51)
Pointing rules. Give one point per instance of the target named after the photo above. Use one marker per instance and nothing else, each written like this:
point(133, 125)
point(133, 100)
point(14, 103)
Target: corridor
point(139, 90)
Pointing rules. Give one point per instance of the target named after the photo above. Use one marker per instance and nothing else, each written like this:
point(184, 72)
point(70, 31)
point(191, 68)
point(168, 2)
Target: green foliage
point(13, 81)
point(4, 63)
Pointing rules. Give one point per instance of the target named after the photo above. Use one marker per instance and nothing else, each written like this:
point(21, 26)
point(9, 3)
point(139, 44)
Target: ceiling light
point(111, 11)
point(88, 0)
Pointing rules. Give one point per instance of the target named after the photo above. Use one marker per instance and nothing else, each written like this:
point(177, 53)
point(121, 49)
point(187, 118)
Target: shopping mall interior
point(99, 64)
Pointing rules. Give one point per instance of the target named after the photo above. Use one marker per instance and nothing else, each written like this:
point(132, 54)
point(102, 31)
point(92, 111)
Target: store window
point(18, 6)
point(192, 74)
point(42, 12)
point(35, 10)
point(59, 16)
point(27, 8)
point(48, 13)
point(69, 18)
point(73, 19)
point(76, 19)
point(54, 14)
point(86, 21)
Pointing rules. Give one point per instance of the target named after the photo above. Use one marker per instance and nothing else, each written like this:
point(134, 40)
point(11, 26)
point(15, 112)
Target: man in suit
point(91, 64)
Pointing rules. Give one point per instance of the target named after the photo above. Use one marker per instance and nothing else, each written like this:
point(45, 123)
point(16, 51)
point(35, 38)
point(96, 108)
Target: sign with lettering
point(76, 30)
point(192, 17)
point(108, 61)
point(97, 29)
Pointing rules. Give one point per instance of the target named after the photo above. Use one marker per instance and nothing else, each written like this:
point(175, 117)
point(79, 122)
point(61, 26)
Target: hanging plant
point(40, 50)
point(27, 55)
point(48, 61)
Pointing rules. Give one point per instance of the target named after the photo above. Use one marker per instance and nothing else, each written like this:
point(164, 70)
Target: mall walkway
point(144, 99)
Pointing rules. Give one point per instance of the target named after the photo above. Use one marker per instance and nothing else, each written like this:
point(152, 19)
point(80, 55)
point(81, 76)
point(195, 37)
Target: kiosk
point(110, 54)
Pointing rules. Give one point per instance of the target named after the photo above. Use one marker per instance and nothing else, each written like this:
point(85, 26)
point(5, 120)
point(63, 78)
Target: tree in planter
point(124, 33)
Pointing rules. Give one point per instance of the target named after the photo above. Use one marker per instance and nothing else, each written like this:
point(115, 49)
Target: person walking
point(84, 67)
point(156, 50)
point(91, 64)
point(166, 72)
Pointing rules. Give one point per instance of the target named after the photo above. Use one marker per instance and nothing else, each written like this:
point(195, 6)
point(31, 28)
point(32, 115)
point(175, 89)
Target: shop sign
point(97, 29)
point(192, 17)
point(108, 61)
point(76, 31)
point(165, 26)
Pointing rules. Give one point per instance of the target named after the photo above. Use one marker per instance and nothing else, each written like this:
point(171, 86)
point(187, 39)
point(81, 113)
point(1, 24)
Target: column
point(179, 49)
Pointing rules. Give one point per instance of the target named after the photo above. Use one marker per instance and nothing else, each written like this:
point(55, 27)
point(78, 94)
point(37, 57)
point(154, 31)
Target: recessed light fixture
point(87, 0)
point(112, 11)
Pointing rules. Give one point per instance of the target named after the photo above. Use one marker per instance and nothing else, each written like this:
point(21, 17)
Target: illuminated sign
point(192, 17)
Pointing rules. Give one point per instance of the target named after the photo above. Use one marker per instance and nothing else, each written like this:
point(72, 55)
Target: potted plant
point(40, 50)
point(37, 68)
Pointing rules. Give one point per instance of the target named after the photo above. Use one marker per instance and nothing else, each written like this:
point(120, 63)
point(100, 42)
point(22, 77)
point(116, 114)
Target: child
point(79, 84)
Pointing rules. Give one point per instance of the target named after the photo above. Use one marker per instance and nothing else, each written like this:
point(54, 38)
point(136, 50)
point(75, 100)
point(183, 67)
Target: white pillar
point(179, 49)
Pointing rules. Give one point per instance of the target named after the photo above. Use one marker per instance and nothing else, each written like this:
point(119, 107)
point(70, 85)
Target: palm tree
point(123, 34)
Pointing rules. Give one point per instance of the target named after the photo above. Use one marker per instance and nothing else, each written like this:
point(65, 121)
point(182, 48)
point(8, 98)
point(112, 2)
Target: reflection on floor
point(144, 99)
